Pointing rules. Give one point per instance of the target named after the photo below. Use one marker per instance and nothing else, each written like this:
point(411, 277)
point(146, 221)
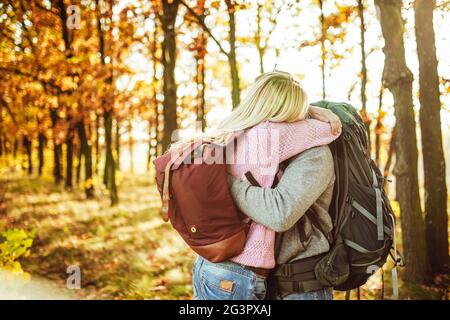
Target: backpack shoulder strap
point(187, 152)
point(166, 193)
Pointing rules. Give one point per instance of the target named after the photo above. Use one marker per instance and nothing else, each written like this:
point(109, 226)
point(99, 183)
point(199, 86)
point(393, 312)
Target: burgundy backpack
point(196, 199)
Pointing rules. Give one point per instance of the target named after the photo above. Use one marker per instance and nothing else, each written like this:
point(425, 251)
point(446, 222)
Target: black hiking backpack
point(363, 220)
point(363, 233)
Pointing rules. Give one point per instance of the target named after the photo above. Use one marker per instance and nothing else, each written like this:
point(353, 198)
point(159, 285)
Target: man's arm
point(304, 180)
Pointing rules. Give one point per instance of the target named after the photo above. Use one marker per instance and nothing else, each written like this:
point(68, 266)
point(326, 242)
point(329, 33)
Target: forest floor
point(126, 251)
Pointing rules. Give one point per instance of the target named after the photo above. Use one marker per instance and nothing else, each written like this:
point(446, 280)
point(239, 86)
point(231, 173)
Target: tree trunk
point(41, 146)
point(58, 167)
point(6, 144)
point(67, 36)
point(66, 32)
point(69, 159)
point(110, 166)
point(28, 147)
point(235, 86)
point(323, 49)
point(258, 36)
point(86, 150)
point(200, 44)
point(170, 9)
point(364, 71)
point(97, 142)
point(1, 134)
point(117, 143)
point(390, 154)
point(130, 145)
point(153, 122)
point(379, 127)
point(150, 154)
point(15, 147)
point(231, 54)
point(57, 149)
point(398, 79)
point(436, 219)
point(108, 105)
point(201, 92)
point(79, 162)
point(107, 163)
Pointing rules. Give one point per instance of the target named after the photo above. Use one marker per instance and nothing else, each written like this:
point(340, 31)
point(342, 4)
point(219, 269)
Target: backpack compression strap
point(379, 209)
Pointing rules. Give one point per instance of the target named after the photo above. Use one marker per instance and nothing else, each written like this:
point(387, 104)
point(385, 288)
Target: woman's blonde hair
point(275, 96)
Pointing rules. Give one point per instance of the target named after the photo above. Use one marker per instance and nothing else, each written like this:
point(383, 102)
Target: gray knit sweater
point(307, 182)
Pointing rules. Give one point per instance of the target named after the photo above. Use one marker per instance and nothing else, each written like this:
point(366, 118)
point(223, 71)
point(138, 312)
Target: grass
point(124, 252)
point(127, 251)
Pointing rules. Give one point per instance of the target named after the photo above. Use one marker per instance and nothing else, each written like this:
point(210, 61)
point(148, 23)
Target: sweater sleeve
point(304, 180)
point(279, 141)
point(296, 137)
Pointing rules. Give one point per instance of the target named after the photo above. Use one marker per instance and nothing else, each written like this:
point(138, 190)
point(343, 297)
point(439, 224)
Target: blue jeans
point(226, 281)
point(231, 281)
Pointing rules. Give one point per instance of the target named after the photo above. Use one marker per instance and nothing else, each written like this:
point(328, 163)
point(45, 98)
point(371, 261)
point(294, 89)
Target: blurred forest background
point(91, 91)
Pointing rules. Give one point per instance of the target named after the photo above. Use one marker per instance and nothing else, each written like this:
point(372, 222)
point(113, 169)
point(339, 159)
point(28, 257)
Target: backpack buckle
point(346, 136)
point(287, 270)
point(350, 200)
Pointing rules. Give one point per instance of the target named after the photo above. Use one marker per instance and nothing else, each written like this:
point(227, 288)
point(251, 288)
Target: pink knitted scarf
point(260, 149)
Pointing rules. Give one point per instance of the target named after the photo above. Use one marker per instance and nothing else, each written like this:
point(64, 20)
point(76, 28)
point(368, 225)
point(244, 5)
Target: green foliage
point(14, 244)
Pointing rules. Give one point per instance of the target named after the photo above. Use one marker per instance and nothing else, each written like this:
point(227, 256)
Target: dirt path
point(36, 288)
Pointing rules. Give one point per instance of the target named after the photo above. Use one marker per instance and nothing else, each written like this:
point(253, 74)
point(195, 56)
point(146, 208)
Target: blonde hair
point(275, 96)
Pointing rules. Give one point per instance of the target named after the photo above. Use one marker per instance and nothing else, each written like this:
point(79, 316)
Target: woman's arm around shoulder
point(304, 180)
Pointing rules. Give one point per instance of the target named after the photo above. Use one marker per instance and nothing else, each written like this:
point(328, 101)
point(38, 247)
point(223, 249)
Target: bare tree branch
point(5, 105)
point(274, 22)
point(7, 36)
point(201, 22)
point(44, 82)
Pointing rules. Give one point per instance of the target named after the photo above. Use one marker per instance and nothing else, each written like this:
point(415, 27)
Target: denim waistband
point(227, 265)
